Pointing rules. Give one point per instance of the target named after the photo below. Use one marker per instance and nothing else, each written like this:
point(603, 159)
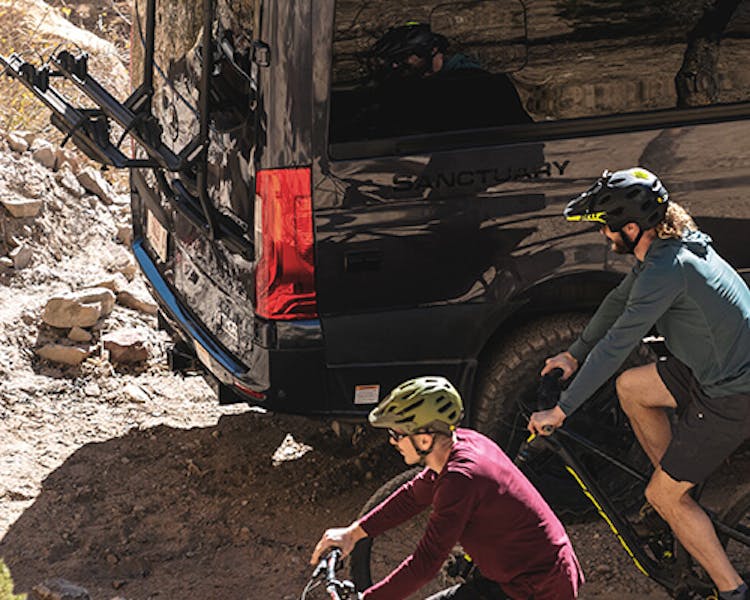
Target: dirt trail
point(130, 480)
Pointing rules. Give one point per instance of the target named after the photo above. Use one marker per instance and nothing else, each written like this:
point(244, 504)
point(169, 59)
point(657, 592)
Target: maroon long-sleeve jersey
point(481, 500)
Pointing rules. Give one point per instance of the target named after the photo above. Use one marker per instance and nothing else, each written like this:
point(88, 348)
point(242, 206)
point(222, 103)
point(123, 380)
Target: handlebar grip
point(549, 389)
point(332, 560)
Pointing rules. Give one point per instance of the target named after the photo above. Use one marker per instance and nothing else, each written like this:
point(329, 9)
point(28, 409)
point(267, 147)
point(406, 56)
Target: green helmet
point(424, 403)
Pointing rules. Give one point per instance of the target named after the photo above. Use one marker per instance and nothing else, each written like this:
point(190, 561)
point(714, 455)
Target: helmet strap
point(630, 244)
point(422, 453)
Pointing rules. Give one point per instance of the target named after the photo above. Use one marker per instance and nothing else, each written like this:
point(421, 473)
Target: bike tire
point(374, 558)
point(509, 378)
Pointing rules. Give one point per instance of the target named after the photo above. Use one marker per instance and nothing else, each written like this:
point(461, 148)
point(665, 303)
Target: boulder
point(44, 153)
point(94, 182)
point(66, 312)
point(58, 589)
point(20, 207)
point(116, 283)
point(68, 181)
point(17, 143)
point(137, 299)
point(21, 256)
point(103, 296)
point(77, 334)
point(125, 234)
point(69, 355)
point(126, 346)
point(66, 157)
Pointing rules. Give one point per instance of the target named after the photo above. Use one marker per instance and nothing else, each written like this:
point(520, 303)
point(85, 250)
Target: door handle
point(363, 260)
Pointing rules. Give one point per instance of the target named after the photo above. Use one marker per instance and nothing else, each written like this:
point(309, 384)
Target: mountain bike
point(650, 544)
point(325, 574)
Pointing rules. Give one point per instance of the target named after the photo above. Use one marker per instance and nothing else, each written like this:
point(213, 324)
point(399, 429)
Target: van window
point(428, 67)
point(177, 73)
point(425, 67)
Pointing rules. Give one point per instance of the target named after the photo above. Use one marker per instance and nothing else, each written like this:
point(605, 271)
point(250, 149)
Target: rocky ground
point(129, 480)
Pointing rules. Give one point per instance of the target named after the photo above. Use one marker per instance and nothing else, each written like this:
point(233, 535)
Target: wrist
point(356, 531)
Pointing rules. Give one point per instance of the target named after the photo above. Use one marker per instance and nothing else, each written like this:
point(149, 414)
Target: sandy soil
point(133, 482)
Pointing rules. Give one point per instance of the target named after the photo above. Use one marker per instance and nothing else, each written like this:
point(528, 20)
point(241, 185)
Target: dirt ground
point(132, 482)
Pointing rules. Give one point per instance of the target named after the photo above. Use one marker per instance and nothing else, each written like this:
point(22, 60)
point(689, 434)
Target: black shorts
point(708, 429)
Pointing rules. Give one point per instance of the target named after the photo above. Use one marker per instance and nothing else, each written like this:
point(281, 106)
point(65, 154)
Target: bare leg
point(692, 527)
point(644, 398)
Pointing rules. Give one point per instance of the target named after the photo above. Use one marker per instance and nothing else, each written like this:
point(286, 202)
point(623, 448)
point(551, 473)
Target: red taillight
point(285, 274)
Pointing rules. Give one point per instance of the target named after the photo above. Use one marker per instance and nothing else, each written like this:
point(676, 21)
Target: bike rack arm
point(88, 128)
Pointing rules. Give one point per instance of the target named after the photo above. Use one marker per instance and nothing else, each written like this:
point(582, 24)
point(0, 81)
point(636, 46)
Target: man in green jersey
point(702, 308)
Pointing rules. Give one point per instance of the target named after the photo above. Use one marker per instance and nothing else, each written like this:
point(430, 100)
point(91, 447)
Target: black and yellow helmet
point(398, 43)
point(421, 404)
point(631, 196)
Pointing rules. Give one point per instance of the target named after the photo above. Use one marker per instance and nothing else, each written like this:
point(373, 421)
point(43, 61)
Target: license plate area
point(156, 235)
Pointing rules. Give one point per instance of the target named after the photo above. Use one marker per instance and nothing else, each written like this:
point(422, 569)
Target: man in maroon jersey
point(479, 499)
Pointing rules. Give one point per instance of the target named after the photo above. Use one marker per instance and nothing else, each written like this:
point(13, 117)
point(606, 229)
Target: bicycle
point(652, 547)
point(654, 550)
point(325, 573)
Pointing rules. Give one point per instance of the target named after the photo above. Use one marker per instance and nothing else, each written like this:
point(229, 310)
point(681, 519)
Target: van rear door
point(212, 277)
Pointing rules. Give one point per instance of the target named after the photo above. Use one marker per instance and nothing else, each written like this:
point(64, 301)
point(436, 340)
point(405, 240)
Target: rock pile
point(42, 180)
point(51, 206)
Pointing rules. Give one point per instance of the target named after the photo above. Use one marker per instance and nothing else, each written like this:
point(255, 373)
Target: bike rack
point(91, 129)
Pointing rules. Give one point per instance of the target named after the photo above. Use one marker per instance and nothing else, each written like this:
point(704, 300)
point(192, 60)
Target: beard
point(618, 245)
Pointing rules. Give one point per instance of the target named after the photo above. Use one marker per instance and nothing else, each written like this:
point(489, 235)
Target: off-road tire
point(509, 379)
point(373, 558)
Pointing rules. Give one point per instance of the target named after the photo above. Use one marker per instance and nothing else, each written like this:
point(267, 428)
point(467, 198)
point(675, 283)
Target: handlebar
point(325, 572)
point(547, 395)
point(548, 392)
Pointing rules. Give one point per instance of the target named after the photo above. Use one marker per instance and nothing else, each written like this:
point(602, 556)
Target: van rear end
point(233, 271)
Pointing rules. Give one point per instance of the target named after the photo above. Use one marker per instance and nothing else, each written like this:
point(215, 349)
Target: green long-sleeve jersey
point(697, 301)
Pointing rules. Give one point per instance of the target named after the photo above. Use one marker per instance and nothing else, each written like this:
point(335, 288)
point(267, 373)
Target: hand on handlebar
point(338, 537)
point(565, 361)
point(544, 422)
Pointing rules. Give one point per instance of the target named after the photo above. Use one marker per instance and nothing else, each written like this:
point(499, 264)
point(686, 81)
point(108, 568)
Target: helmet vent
point(412, 406)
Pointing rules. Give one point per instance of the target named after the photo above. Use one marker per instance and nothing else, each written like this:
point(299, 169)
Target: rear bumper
point(288, 376)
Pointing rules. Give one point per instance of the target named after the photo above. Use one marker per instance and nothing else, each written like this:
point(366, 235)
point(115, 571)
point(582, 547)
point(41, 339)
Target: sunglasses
point(396, 436)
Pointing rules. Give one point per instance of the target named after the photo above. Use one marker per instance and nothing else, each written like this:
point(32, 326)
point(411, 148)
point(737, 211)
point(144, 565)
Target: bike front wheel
point(374, 558)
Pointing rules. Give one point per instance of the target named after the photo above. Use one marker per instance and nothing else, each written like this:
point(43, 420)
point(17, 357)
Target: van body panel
point(432, 245)
point(285, 95)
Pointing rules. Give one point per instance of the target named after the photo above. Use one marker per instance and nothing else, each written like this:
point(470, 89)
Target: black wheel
point(509, 380)
point(374, 558)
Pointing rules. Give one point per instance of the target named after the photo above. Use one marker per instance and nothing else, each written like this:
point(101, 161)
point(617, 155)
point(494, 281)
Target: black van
point(342, 194)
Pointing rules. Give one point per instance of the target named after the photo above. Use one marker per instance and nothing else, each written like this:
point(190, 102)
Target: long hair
point(675, 223)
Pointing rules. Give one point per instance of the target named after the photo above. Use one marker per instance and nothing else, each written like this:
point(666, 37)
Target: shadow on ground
point(199, 513)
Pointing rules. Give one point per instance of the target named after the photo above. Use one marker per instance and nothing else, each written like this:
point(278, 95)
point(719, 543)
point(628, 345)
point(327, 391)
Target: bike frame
point(669, 575)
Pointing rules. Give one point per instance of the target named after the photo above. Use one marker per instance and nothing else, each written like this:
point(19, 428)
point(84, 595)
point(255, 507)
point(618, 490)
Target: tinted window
point(419, 67)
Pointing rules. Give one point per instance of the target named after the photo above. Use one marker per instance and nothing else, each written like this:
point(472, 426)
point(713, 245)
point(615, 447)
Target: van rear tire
point(509, 379)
